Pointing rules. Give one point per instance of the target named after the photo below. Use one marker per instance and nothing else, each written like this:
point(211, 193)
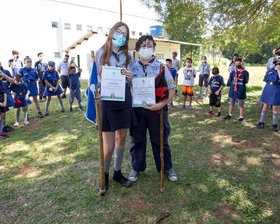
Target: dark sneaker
point(172, 175)
point(8, 129)
point(40, 115)
point(210, 113)
point(118, 177)
point(228, 117)
point(218, 114)
point(106, 182)
point(80, 108)
point(63, 96)
point(133, 176)
point(71, 109)
point(275, 128)
point(240, 120)
point(47, 114)
point(62, 110)
point(40, 100)
point(260, 125)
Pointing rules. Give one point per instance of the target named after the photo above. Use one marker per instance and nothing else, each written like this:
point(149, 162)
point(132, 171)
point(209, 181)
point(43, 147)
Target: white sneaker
point(172, 175)
point(133, 176)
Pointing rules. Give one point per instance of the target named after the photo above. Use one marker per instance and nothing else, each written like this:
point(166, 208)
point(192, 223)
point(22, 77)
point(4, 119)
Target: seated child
point(75, 85)
point(216, 84)
point(271, 95)
point(53, 88)
point(238, 79)
point(21, 99)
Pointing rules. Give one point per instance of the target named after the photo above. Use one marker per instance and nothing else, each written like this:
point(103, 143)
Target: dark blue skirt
point(32, 87)
point(10, 100)
point(24, 103)
point(271, 94)
point(52, 93)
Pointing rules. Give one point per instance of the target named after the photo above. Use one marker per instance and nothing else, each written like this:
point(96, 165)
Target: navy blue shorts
point(113, 120)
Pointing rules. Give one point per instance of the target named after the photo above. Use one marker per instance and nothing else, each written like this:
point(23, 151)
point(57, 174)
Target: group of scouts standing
point(24, 83)
point(119, 117)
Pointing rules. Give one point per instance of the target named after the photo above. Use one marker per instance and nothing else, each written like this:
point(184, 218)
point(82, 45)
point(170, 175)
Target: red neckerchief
point(237, 77)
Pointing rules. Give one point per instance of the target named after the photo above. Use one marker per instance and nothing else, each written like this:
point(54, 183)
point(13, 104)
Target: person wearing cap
point(40, 67)
point(7, 78)
point(30, 77)
point(148, 118)
point(62, 68)
point(177, 65)
point(271, 95)
point(51, 78)
point(15, 63)
point(270, 64)
point(21, 98)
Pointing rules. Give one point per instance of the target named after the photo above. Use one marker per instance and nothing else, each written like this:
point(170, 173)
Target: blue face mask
point(118, 40)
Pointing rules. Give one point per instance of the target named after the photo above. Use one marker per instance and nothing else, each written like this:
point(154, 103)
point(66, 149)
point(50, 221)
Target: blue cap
point(17, 74)
point(51, 63)
point(276, 59)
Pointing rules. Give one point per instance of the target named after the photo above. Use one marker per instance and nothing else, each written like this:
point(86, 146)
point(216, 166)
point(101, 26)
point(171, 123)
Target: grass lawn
point(227, 172)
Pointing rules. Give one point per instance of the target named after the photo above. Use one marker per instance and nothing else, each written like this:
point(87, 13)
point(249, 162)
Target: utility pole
point(121, 10)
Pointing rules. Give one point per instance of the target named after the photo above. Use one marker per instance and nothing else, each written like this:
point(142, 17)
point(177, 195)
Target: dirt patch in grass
point(28, 170)
point(223, 213)
point(37, 124)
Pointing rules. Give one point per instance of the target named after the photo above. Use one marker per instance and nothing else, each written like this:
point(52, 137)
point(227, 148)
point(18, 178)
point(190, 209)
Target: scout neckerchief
point(117, 56)
point(145, 66)
point(237, 77)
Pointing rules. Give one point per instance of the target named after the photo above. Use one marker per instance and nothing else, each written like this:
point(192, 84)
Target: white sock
point(230, 115)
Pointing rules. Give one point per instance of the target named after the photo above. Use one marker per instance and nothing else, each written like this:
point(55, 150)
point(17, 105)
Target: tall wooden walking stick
point(161, 152)
point(102, 173)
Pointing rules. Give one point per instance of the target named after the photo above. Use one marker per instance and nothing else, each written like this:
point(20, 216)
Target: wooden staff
point(161, 152)
point(101, 152)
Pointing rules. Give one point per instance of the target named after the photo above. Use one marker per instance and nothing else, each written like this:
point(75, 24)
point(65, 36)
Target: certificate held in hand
point(113, 83)
point(143, 91)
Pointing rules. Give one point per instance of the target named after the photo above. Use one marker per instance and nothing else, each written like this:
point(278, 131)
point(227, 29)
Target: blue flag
point(90, 92)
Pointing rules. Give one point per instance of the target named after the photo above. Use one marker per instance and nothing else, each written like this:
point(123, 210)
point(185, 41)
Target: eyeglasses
point(121, 33)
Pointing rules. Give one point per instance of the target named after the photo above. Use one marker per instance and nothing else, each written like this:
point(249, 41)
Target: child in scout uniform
point(115, 115)
point(173, 73)
point(3, 107)
point(216, 84)
point(6, 78)
point(271, 94)
point(204, 70)
point(30, 77)
point(148, 118)
point(40, 67)
point(238, 79)
point(75, 85)
point(187, 90)
point(52, 88)
point(21, 99)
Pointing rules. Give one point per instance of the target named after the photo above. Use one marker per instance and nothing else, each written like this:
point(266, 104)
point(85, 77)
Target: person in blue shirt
point(51, 78)
point(238, 80)
point(21, 98)
point(75, 85)
point(15, 63)
point(115, 115)
point(3, 107)
point(216, 84)
point(40, 67)
point(271, 94)
point(30, 77)
point(174, 74)
point(7, 78)
point(148, 118)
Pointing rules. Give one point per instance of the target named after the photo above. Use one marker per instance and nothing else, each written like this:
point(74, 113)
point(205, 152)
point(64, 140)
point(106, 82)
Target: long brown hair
point(107, 47)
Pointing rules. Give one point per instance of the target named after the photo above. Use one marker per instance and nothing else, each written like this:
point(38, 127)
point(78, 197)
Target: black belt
point(30, 81)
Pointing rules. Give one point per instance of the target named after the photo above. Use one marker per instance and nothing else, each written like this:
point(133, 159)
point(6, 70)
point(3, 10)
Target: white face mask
point(41, 58)
point(146, 53)
point(189, 64)
point(28, 65)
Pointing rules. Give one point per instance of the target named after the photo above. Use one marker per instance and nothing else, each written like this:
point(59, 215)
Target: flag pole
point(101, 152)
point(121, 10)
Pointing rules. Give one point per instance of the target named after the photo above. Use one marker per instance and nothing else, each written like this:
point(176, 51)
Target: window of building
point(78, 27)
point(67, 26)
point(57, 54)
point(99, 29)
point(55, 24)
point(133, 33)
point(89, 28)
point(140, 33)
